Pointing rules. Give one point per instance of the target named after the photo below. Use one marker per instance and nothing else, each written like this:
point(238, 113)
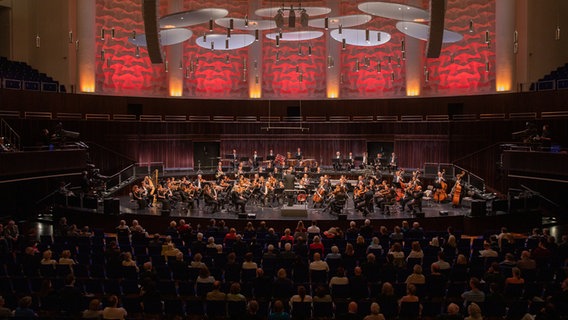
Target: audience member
point(113, 310)
point(4, 312)
point(94, 311)
point(278, 312)
point(24, 310)
point(375, 313)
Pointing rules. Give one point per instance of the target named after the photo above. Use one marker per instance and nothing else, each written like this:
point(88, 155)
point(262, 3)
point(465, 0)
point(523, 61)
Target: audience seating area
point(21, 76)
point(175, 268)
point(556, 79)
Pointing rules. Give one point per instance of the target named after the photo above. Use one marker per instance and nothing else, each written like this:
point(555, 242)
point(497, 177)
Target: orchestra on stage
point(293, 179)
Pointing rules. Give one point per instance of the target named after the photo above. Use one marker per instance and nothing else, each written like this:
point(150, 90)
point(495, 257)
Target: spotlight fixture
point(210, 24)
point(402, 46)
point(112, 33)
point(340, 28)
point(231, 24)
point(228, 32)
point(292, 18)
point(277, 41)
point(487, 39)
point(133, 35)
point(256, 35)
point(326, 23)
point(103, 34)
point(227, 44)
point(367, 35)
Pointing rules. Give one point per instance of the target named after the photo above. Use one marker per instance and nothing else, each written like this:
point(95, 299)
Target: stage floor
point(298, 211)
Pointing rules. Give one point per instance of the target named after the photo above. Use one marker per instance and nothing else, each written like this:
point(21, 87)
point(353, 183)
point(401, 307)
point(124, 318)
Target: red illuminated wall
point(220, 74)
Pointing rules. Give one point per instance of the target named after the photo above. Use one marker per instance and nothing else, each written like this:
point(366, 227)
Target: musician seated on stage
point(416, 200)
point(337, 161)
point(164, 197)
point(139, 196)
point(364, 200)
point(210, 196)
point(238, 199)
point(337, 199)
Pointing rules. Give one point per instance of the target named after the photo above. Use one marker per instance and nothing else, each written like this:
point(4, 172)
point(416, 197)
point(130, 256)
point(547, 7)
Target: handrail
point(121, 171)
point(42, 177)
point(10, 134)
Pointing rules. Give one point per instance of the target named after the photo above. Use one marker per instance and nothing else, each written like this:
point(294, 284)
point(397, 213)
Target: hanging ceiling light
point(340, 29)
point(304, 18)
point(471, 26)
point(137, 52)
point(292, 18)
point(379, 66)
point(210, 24)
point(309, 49)
point(277, 41)
point(227, 44)
point(112, 33)
point(246, 20)
point(367, 35)
point(134, 35)
point(279, 19)
point(231, 24)
point(103, 34)
point(326, 23)
point(343, 44)
point(256, 35)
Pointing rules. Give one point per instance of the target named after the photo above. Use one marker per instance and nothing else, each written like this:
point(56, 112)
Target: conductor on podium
point(289, 184)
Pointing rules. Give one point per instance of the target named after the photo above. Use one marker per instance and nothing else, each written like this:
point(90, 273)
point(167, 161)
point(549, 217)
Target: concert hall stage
point(437, 217)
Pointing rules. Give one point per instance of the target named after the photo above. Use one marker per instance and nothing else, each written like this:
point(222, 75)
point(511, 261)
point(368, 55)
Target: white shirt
point(319, 265)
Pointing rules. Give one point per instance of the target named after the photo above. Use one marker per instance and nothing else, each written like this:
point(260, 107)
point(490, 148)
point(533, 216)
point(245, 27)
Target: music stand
point(272, 158)
point(229, 157)
point(244, 159)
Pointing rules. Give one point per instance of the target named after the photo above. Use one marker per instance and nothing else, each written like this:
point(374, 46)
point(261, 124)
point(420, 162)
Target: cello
point(457, 190)
point(440, 194)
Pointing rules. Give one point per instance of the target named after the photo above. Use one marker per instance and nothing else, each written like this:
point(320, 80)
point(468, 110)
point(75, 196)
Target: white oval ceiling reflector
point(357, 37)
point(192, 17)
point(396, 11)
point(344, 21)
point(422, 31)
point(236, 41)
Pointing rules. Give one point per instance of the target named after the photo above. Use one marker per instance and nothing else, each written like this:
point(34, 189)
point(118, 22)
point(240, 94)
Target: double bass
point(457, 190)
point(440, 194)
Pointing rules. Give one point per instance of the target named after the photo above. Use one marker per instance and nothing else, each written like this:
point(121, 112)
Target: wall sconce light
point(38, 41)
point(70, 37)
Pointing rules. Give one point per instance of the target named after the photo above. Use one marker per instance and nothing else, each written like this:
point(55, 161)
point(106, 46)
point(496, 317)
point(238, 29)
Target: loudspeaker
point(150, 13)
point(478, 208)
point(436, 36)
point(112, 206)
point(443, 212)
